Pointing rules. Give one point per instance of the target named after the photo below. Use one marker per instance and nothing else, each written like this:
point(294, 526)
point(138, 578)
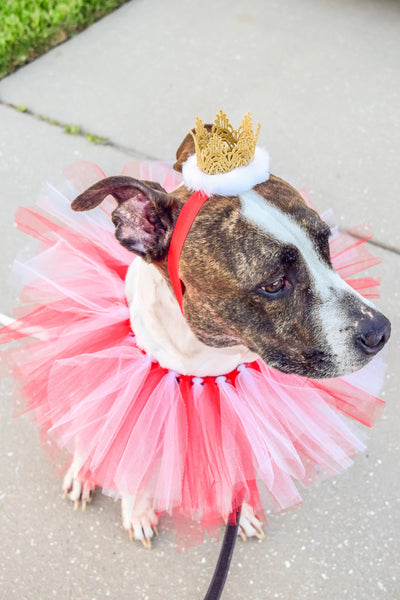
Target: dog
point(258, 282)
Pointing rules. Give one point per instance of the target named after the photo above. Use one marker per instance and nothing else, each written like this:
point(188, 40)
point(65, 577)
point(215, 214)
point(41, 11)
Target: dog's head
point(256, 271)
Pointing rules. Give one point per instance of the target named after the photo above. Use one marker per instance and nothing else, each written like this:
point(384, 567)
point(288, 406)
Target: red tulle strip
point(197, 447)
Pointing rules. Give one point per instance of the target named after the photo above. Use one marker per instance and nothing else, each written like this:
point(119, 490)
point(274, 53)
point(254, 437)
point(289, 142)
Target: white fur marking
point(273, 221)
point(139, 518)
point(249, 524)
point(162, 331)
point(75, 488)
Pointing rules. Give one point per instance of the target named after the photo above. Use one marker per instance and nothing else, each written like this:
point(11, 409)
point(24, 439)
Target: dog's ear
point(186, 149)
point(144, 218)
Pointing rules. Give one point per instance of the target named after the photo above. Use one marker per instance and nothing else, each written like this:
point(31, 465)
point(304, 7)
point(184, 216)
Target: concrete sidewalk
point(324, 81)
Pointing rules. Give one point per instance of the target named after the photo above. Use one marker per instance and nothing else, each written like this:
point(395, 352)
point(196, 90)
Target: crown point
point(223, 148)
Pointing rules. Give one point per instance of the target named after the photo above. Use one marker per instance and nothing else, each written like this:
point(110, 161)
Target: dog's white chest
point(162, 332)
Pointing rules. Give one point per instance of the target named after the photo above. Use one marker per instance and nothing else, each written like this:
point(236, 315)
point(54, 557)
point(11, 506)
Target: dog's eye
point(275, 286)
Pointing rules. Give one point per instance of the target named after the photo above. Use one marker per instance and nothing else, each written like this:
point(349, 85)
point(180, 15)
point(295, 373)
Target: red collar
point(184, 222)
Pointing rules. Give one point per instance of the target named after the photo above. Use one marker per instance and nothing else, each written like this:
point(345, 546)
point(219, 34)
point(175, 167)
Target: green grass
point(28, 28)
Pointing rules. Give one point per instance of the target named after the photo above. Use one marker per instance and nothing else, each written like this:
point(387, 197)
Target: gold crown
point(223, 148)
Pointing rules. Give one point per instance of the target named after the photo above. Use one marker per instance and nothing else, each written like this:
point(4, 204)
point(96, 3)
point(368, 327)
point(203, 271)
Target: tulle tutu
point(195, 447)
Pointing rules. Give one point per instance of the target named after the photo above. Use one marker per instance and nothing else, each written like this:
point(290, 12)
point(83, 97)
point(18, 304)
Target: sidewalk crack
point(102, 141)
point(79, 131)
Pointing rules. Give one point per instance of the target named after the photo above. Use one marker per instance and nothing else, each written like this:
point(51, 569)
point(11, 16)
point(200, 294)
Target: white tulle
point(195, 447)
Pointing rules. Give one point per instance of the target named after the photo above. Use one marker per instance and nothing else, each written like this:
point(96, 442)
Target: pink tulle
point(196, 447)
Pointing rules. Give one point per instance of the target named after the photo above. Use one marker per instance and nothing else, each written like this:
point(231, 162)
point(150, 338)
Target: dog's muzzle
point(372, 334)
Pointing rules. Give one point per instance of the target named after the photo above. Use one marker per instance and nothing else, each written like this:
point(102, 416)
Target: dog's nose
point(373, 334)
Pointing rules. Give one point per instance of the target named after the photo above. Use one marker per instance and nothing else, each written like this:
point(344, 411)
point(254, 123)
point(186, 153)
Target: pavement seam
point(77, 130)
point(383, 246)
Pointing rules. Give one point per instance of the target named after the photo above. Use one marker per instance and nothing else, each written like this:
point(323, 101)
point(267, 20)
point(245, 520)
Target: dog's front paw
point(249, 524)
point(78, 490)
point(139, 519)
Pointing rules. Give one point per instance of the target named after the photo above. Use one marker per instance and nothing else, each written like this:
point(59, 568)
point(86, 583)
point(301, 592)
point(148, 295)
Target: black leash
point(225, 556)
